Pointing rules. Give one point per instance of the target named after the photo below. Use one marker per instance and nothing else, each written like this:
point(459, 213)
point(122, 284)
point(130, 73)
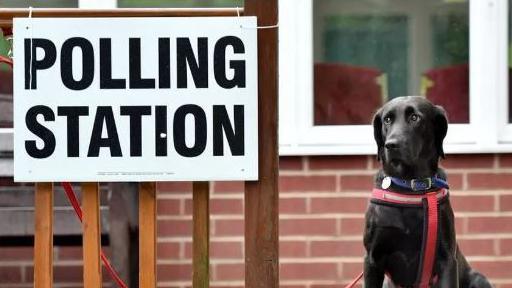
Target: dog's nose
point(391, 144)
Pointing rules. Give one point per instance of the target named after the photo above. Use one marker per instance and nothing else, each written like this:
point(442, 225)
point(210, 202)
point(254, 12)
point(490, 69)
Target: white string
point(9, 40)
point(31, 49)
point(256, 27)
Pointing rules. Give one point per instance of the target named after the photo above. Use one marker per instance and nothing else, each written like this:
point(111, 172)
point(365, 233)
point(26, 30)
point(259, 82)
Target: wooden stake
point(261, 197)
point(92, 235)
point(201, 238)
point(43, 236)
point(147, 235)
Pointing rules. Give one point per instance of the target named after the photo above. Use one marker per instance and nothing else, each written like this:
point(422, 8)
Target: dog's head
point(409, 132)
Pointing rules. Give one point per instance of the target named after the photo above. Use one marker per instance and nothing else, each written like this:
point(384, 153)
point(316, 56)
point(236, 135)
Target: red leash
point(354, 282)
point(429, 250)
point(76, 206)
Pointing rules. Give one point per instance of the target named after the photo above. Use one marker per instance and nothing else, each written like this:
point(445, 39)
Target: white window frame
point(487, 132)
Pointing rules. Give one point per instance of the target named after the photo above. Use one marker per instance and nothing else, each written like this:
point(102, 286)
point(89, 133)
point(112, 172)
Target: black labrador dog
point(409, 132)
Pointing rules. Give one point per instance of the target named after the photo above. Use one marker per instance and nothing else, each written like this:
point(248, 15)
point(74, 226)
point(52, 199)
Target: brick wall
point(322, 200)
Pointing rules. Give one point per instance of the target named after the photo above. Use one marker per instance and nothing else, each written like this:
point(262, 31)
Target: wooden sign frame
point(261, 197)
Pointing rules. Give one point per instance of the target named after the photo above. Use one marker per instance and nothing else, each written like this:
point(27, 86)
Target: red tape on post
point(78, 211)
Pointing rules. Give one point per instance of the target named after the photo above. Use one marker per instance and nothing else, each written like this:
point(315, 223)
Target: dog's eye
point(415, 117)
point(388, 120)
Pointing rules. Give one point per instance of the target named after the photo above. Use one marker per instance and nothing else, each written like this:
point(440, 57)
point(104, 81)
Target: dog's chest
point(408, 220)
point(396, 234)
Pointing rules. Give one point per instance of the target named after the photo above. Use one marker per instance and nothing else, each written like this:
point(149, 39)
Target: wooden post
point(43, 236)
point(147, 235)
point(201, 238)
point(92, 235)
point(261, 197)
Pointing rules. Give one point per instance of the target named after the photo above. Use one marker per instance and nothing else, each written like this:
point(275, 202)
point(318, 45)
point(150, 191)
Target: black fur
point(409, 133)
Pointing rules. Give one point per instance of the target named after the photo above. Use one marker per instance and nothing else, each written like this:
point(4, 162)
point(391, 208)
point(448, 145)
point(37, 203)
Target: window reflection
point(369, 51)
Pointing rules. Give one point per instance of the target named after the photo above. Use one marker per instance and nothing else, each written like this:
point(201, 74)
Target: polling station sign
point(135, 99)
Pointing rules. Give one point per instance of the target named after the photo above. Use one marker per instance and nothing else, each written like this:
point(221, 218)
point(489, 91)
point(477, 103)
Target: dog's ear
point(440, 129)
point(377, 133)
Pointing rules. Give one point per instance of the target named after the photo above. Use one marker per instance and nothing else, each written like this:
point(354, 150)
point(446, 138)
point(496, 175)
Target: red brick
point(472, 203)
point(307, 227)
point(169, 206)
point(505, 203)
point(230, 227)
point(16, 253)
point(505, 160)
point(220, 206)
point(339, 205)
point(292, 205)
point(170, 228)
point(290, 163)
point(477, 247)
point(351, 226)
point(229, 272)
point(357, 182)
point(174, 272)
point(455, 181)
point(69, 253)
point(505, 246)
point(490, 224)
point(307, 183)
point(352, 248)
point(493, 269)
point(10, 274)
point(490, 180)
point(338, 162)
point(351, 270)
point(68, 273)
point(174, 187)
point(292, 249)
point(228, 187)
point(460, 225)
point(308, 271)
point(466, 161)
point(168, 250)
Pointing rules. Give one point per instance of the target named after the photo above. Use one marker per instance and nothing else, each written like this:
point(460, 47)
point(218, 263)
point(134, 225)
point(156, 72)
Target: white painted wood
point(97, 4)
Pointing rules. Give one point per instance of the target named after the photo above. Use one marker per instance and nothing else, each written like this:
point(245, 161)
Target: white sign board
point(135, 99)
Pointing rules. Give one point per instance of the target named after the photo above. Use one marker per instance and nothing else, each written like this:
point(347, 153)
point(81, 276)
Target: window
point(342, 59)
point(366, 53)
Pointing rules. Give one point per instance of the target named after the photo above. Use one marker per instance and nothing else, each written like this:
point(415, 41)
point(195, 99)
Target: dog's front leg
point(373, 273)
point(448, 276)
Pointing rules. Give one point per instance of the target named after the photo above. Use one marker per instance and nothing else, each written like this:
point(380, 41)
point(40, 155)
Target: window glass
point(180, 3)
point(367, 52)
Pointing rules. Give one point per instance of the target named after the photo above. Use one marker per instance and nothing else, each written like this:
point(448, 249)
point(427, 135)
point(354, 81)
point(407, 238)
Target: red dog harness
point(429, 201)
